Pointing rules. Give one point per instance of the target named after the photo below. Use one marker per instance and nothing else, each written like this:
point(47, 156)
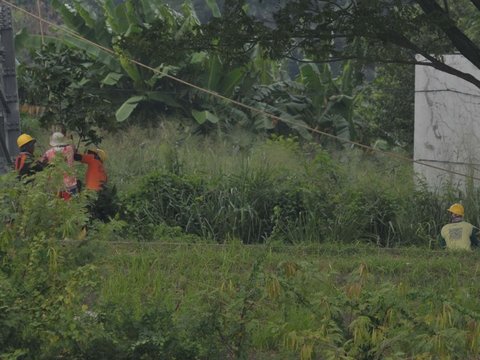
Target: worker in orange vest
point(25, 164)
point(96, 178)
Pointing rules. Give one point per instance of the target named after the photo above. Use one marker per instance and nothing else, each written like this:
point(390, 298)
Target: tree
point(372, 31)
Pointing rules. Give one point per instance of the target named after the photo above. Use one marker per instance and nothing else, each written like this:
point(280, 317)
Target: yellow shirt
point(457, 235)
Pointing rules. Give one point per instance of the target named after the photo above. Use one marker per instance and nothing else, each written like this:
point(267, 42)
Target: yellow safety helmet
point(100, 153)
point(457, 209)
point(24, 139)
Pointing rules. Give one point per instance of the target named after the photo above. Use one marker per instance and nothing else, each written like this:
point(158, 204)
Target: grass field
point(219, 250)
point(344, 302)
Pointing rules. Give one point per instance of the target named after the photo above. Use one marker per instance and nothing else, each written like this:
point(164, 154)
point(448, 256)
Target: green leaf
point(230, 81)
point(190, 21)
point(213, 6)
point(24, 40)
point(163, 98)
point(106, 58)
point(131, 69)
point(112, 78)
point(124, 112)
point(85, 14)
point(198, 57)
point(116, 16)
point(214, 72)
point(74, 21)
point(202, 116)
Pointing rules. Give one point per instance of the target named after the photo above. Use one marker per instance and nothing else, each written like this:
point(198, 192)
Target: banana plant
point(333, 100)
point(107, 28)
point(212, 74)
point(252, 83)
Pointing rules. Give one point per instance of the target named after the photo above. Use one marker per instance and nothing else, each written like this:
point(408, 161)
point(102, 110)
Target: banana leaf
point(112, 79)
point(124, 112)
point(203, 116)
point(213, 6)
point(116, 16)
point(230, 81)
point(163, 98)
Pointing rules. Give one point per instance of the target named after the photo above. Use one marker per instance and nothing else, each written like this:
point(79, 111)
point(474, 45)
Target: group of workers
point(27, 165)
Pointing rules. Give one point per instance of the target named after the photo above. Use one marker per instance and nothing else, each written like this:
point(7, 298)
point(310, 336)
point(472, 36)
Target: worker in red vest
point(25, 163)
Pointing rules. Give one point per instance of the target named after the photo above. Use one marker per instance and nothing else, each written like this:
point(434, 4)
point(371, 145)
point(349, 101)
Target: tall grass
point(257, 190)
point(260, 190)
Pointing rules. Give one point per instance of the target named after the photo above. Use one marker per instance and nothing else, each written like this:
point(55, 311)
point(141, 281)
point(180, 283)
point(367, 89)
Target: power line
point(235, 102)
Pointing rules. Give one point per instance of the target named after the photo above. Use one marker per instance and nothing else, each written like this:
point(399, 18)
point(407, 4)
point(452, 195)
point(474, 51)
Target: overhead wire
point(39, 9)
point(235, 102)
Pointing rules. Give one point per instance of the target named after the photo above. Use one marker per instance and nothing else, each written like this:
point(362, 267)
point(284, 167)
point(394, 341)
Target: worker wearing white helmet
point(61, 146)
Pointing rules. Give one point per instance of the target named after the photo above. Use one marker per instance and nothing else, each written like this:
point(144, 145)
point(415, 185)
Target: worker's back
point(95, 177)
point(457, 235)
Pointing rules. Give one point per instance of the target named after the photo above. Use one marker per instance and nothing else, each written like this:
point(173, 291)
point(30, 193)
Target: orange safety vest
point(20, 161)
point(95, 177)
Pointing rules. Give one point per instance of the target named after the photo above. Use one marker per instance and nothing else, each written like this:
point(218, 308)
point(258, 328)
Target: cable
point(242, 105)
point(40, 23)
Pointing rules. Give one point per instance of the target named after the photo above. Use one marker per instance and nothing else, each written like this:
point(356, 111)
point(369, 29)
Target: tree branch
point(376, 60)
point(476, 3)
point(405, 43)
point(466, 46)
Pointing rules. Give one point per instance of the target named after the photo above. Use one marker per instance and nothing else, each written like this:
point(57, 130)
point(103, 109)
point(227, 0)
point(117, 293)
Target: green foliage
point(349, 289)
point(279, 190)
point(389, 106)
point(72, 96)
point(334, 100)
point(46, 281)
point(80, 75)
point(376, 31)
point(239, 205)
point(309, 302)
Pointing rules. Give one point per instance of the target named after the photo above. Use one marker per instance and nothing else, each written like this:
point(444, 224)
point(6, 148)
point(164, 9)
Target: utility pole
point(9, 108)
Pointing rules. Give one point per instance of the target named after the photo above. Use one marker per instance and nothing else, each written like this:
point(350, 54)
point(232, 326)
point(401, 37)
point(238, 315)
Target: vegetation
point(377, 31)
point(305, 96)
point(236, 235)
point(169, 276)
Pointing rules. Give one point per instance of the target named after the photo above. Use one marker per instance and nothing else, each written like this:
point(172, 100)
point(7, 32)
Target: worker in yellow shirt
point(458, 234)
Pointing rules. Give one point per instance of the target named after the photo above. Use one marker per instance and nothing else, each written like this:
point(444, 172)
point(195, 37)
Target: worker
point(25, 164)
point(96, 178)
point(458, 234)
point(60, 145)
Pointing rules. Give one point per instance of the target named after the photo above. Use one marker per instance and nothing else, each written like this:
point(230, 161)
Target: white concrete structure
point(447, 123)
